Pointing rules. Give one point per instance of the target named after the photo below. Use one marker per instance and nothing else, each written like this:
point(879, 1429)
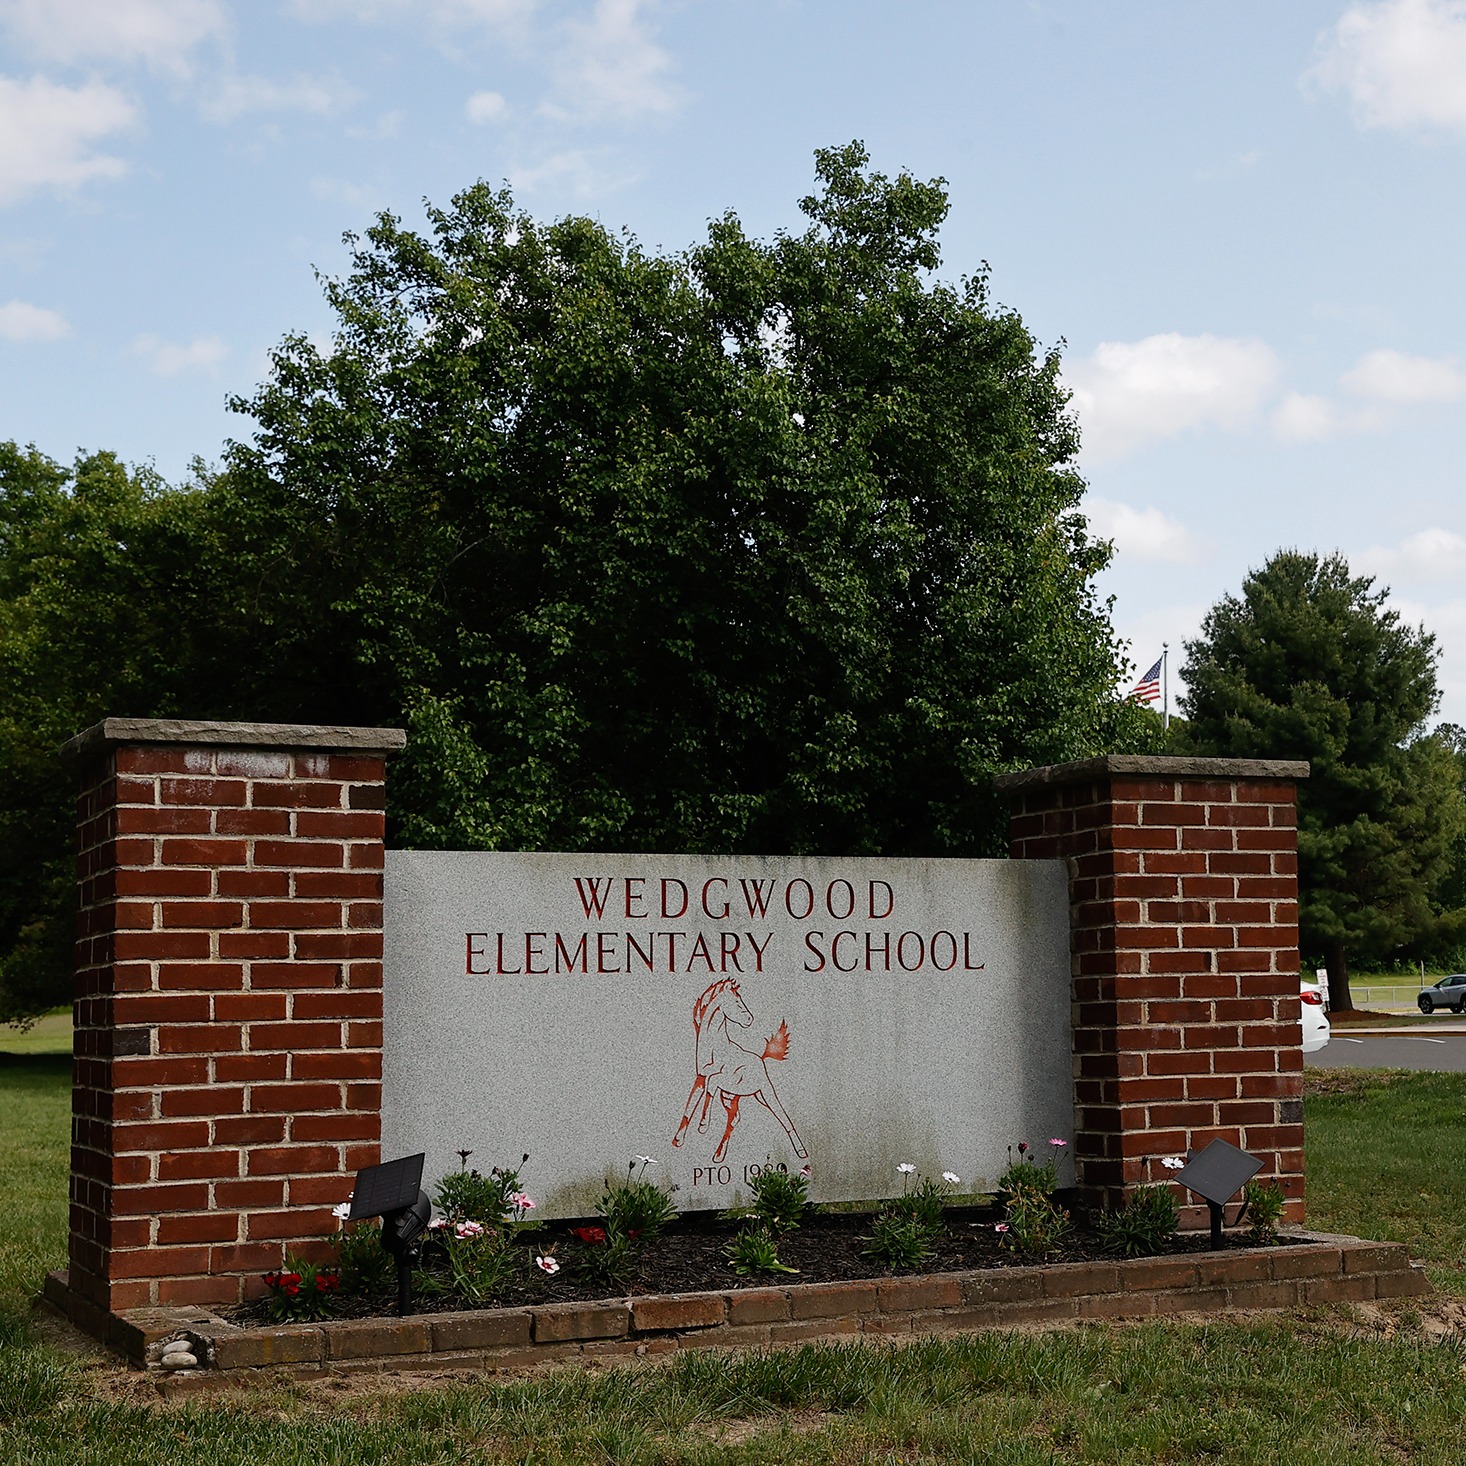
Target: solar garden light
point(1218, 1173)
point(393, 1191)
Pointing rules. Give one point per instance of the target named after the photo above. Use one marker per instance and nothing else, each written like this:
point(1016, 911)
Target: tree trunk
point(1338, 970)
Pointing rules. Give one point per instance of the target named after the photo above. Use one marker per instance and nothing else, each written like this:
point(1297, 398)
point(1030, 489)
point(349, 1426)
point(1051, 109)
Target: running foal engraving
point(728, 1070)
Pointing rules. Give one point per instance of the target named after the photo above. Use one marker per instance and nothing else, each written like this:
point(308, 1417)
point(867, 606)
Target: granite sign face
point(719, 1014)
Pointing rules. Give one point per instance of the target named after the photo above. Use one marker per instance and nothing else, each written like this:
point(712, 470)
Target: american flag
point(1148, 689)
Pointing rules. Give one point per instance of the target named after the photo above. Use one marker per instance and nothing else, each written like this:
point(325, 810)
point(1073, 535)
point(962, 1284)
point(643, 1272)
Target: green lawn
point(1299, 1389)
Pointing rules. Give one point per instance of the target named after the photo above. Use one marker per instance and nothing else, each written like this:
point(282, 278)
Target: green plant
point(1142, 1224)
point(635, 1207)
point(899, 1241)
point(364, 1265)
point(780, 1197)
point(1262, 1209)
point(1028, 1173)
point(467, 1196)
point(755, 1249)
point(603, 1255)
point(925, 1203)
point(301, 1290)
point(1035, 1223)
point(480, 1260)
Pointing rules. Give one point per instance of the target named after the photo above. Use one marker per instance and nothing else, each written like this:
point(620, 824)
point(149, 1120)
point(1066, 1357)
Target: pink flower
point(521, 1202)
point(807, 1171)
point(469, 1229)
point(1059, 1143)
point(1000, 1226)
point(547, 1265)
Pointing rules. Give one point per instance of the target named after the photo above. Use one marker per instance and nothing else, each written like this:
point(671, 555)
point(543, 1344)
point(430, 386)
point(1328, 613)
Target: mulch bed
point(690, 1258)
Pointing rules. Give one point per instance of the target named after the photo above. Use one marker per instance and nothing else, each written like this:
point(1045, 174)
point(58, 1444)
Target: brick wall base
point(1184, 950)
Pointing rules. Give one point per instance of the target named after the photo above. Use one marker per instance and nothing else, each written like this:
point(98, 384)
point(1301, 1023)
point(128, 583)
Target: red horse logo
point(728, 1070)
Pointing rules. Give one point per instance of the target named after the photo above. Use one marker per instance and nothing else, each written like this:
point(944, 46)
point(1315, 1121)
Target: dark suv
point(1449, 992)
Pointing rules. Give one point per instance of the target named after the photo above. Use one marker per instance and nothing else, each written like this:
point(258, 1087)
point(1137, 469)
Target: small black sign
point(1219, 1172)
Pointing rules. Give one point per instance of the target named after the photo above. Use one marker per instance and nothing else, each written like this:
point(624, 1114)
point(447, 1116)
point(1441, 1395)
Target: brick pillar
point(228, 1008)
point(1184, 923)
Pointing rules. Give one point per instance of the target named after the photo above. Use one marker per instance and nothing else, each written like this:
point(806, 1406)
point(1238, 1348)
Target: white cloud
point(484, 107)
point(47, 132)
point(1142, 534)
point(169, 358)
point(235, 96)
point(1401, 62)
point(162, 33)
point(444, 13)
point(22, 322)
point(1429, 555)
point(1393, 376)
point(1133, 392)
point(577, 171)
point(1308, 417)
point(611, 68)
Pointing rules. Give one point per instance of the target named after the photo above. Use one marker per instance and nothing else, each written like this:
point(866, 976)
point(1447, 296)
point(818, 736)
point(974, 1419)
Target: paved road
point(1442, 1049)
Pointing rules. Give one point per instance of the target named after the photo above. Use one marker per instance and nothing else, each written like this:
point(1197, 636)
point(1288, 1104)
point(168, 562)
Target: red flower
point(272, 1280)
point(327, 1282)
point(591, 1236)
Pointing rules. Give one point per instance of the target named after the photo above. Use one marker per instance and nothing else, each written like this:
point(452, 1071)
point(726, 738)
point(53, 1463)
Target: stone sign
point(719, 1014)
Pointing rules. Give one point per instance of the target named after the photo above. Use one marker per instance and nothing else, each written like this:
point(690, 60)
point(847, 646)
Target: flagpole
point(1166, 685)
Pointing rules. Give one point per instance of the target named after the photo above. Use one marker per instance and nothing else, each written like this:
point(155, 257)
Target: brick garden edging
point(1325, 1269)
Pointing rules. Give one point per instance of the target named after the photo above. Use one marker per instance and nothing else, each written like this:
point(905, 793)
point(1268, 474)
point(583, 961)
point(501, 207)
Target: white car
point(1315, 1020)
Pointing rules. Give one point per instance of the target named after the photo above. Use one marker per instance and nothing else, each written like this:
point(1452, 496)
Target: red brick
point(289, 1160)
point(297, 1222)
point(137, 819)
point(205, 791)
point(287, 1099)
point(205, 852)
point(356, 768)
point(296, 915)
point(252, 822)
point(338, 946)
point(156, 1262)
point(177, 1292)
point(298, 794)
point(210, 1227)
point(159, 946)
point(190, 1165)
point(342, 824)
point(154, 760)
point(160, 882)
point(140, 1008)
point(250, 1130)
point(178, 1135)
point(325, 1190)
point(231, 1068)
point(309, 1129)
point(253, 945)
point(295, 974)
point(338, 885)
point(129, 1073)
point(355, 1064)
point(216, 1099)
point(154, 1200)
point(318, 854)
point(212, 914)
point(242, 1195)
point(362, 1035)
point(250, 1007)
point(337, 1003)
point(202, 1038)
point(254, 883)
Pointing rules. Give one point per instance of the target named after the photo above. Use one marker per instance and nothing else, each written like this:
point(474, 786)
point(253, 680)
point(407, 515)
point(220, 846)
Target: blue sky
point(1245, 221)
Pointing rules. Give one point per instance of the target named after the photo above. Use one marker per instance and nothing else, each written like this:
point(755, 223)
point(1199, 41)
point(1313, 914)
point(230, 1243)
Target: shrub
point(635, 1207)
point(467, 1196)
point(1262, 1208)
point(899, 1241)
point(1035, 1224)
point(756, 1250)
point(364, 1265)
point(301, 1290)
point(780, 1197)
point(603, 1255)
point(1142, 1225)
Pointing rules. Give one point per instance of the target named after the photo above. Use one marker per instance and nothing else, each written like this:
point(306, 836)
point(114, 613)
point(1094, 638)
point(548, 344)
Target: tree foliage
point(761, 546)
point(1311, 663)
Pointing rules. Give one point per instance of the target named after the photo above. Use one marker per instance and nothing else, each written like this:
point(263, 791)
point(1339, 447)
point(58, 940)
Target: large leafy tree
point(1310, 662)
point(761, 546)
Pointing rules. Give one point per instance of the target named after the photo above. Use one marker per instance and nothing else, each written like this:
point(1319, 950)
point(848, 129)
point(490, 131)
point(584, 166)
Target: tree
point(1311, 664)
point(761, 546)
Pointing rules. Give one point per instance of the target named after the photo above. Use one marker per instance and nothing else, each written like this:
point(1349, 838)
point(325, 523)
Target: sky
point(1244, 224)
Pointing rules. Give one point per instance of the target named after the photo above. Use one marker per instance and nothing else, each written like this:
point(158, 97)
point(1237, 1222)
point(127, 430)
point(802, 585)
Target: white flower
point(906, 1168)
point(437, 1224)
point(951, 1177)
point(644, 1160)
point(547, 1265)
point(1173, 1162)
point(469, 1229)
point(341, 1212)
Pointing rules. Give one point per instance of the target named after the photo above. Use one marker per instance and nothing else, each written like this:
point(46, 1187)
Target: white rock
point(180, 1359)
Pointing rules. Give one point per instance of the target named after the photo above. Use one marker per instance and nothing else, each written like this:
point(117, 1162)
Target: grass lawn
point(1303, 1389)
